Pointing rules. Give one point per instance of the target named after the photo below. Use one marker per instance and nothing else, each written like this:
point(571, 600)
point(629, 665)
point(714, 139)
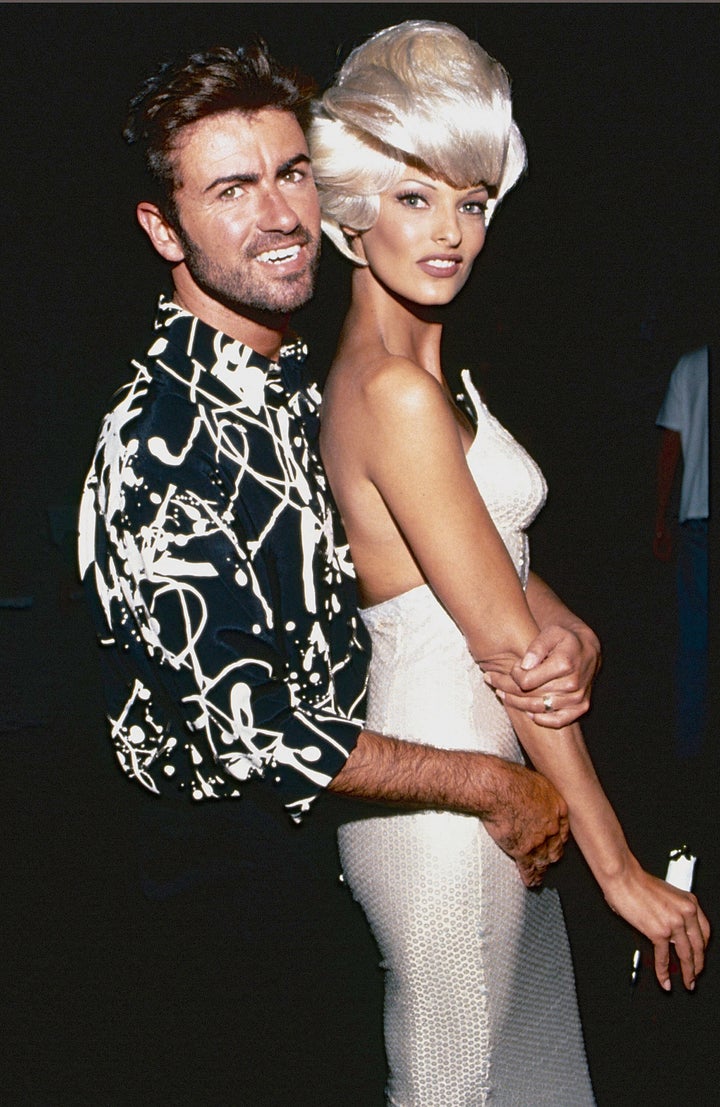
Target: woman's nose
point(447, 227)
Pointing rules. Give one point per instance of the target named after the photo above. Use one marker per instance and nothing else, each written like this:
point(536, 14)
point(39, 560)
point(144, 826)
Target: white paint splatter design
point(214, 559)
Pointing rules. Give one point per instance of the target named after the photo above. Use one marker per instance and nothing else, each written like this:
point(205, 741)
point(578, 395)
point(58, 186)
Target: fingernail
point(529, 661)
point(488, 679)
point(667, 986)
point(500, 695)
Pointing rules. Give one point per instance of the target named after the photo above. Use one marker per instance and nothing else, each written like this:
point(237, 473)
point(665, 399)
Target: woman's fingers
point(689, 938)
point(554, 709)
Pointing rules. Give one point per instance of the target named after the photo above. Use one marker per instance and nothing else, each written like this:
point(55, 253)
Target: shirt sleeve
point(673, 411)
point(200, 595)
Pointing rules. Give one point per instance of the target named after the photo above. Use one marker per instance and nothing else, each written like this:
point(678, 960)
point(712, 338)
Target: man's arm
point(560, 663)
point(207, 695)
point(522, 811)
point(668, 457)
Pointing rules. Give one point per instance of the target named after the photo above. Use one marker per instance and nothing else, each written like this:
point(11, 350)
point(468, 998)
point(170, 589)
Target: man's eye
point(232, 192)
point(294, 176)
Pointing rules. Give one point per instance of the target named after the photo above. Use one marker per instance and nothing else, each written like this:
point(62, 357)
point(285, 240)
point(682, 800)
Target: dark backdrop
point(599, 271)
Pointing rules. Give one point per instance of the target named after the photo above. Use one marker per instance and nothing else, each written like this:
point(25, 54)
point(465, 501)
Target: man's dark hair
point(206, 83)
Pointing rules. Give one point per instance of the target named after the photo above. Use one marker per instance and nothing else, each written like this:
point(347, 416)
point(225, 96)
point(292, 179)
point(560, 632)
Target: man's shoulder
point(148, 396)
point(150, 428)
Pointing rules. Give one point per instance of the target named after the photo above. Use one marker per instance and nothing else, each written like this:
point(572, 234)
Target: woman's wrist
point(614, 873)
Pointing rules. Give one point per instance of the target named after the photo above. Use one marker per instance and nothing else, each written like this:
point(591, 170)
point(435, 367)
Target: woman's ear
point(163, 237)
point(355, 243)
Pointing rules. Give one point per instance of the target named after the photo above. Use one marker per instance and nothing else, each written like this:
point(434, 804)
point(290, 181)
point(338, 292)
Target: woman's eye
point(474, 207)
point(412, 199)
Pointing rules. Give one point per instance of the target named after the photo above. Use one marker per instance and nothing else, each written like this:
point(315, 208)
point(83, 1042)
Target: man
point(223, 589)
point(683, 418)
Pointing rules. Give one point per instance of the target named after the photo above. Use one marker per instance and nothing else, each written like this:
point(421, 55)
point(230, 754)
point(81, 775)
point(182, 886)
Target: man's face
point(248, 210)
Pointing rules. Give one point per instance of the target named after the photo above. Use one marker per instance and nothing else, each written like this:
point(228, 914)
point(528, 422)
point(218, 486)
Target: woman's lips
point(439, 265)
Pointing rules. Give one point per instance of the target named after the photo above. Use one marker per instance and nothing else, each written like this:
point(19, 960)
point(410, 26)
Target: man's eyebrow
point(233, 178)
point(299, 159)
point(253, 178)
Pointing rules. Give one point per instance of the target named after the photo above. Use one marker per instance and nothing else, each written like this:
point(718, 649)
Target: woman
point(413, 146)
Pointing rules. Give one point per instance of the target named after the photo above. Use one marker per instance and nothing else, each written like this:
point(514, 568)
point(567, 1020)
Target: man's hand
point(553, 681)
point(530, 821)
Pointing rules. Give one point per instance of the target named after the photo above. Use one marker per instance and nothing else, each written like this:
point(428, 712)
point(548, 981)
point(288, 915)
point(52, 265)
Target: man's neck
point(263, 332)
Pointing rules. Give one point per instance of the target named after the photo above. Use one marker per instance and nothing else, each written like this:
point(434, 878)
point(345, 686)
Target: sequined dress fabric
point(480, 1003)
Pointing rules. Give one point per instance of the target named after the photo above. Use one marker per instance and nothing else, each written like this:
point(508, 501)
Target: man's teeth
point(287, 254)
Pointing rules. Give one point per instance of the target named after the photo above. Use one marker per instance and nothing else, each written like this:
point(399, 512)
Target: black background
point(599, 271)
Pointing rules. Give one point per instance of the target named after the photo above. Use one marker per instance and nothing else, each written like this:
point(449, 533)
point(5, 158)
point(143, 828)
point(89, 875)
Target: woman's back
point(368, 407)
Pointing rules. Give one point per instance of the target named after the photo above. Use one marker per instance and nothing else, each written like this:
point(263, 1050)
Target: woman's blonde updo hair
point(418, 93)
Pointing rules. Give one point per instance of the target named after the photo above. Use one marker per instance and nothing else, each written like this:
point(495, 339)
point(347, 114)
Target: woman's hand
point(667, 916)
point(553, 681)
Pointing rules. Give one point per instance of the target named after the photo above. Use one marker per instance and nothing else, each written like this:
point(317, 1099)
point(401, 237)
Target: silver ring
point(547, 702)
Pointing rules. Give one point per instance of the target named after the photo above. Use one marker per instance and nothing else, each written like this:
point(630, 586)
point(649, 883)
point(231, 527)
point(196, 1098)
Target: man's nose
point(275, 213)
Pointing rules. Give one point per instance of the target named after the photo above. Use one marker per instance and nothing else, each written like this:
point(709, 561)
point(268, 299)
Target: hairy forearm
point(521, 810)
point(387, 770)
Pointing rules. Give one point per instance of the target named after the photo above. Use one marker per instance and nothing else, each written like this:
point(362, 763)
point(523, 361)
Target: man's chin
point(290, 297)
point(265, 305)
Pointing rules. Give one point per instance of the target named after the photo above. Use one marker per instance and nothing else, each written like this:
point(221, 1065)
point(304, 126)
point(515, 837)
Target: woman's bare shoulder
point(393, 386)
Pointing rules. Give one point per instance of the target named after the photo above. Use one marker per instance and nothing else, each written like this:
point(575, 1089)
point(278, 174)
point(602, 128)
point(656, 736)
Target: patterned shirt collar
point(192, 346)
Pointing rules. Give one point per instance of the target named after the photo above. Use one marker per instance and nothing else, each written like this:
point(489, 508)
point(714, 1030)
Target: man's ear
point(159, 231)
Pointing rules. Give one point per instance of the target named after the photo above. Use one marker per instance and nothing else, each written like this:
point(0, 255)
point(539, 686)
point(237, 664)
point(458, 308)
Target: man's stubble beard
point(239, 289)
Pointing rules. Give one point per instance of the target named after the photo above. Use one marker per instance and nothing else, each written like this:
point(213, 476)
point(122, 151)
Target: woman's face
point(426, 238)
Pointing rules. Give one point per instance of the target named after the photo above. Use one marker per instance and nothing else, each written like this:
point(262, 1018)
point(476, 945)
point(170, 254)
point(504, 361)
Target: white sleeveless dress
point(480, 1001)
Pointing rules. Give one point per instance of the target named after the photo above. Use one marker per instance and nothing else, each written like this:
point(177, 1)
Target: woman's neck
point(403, 328)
